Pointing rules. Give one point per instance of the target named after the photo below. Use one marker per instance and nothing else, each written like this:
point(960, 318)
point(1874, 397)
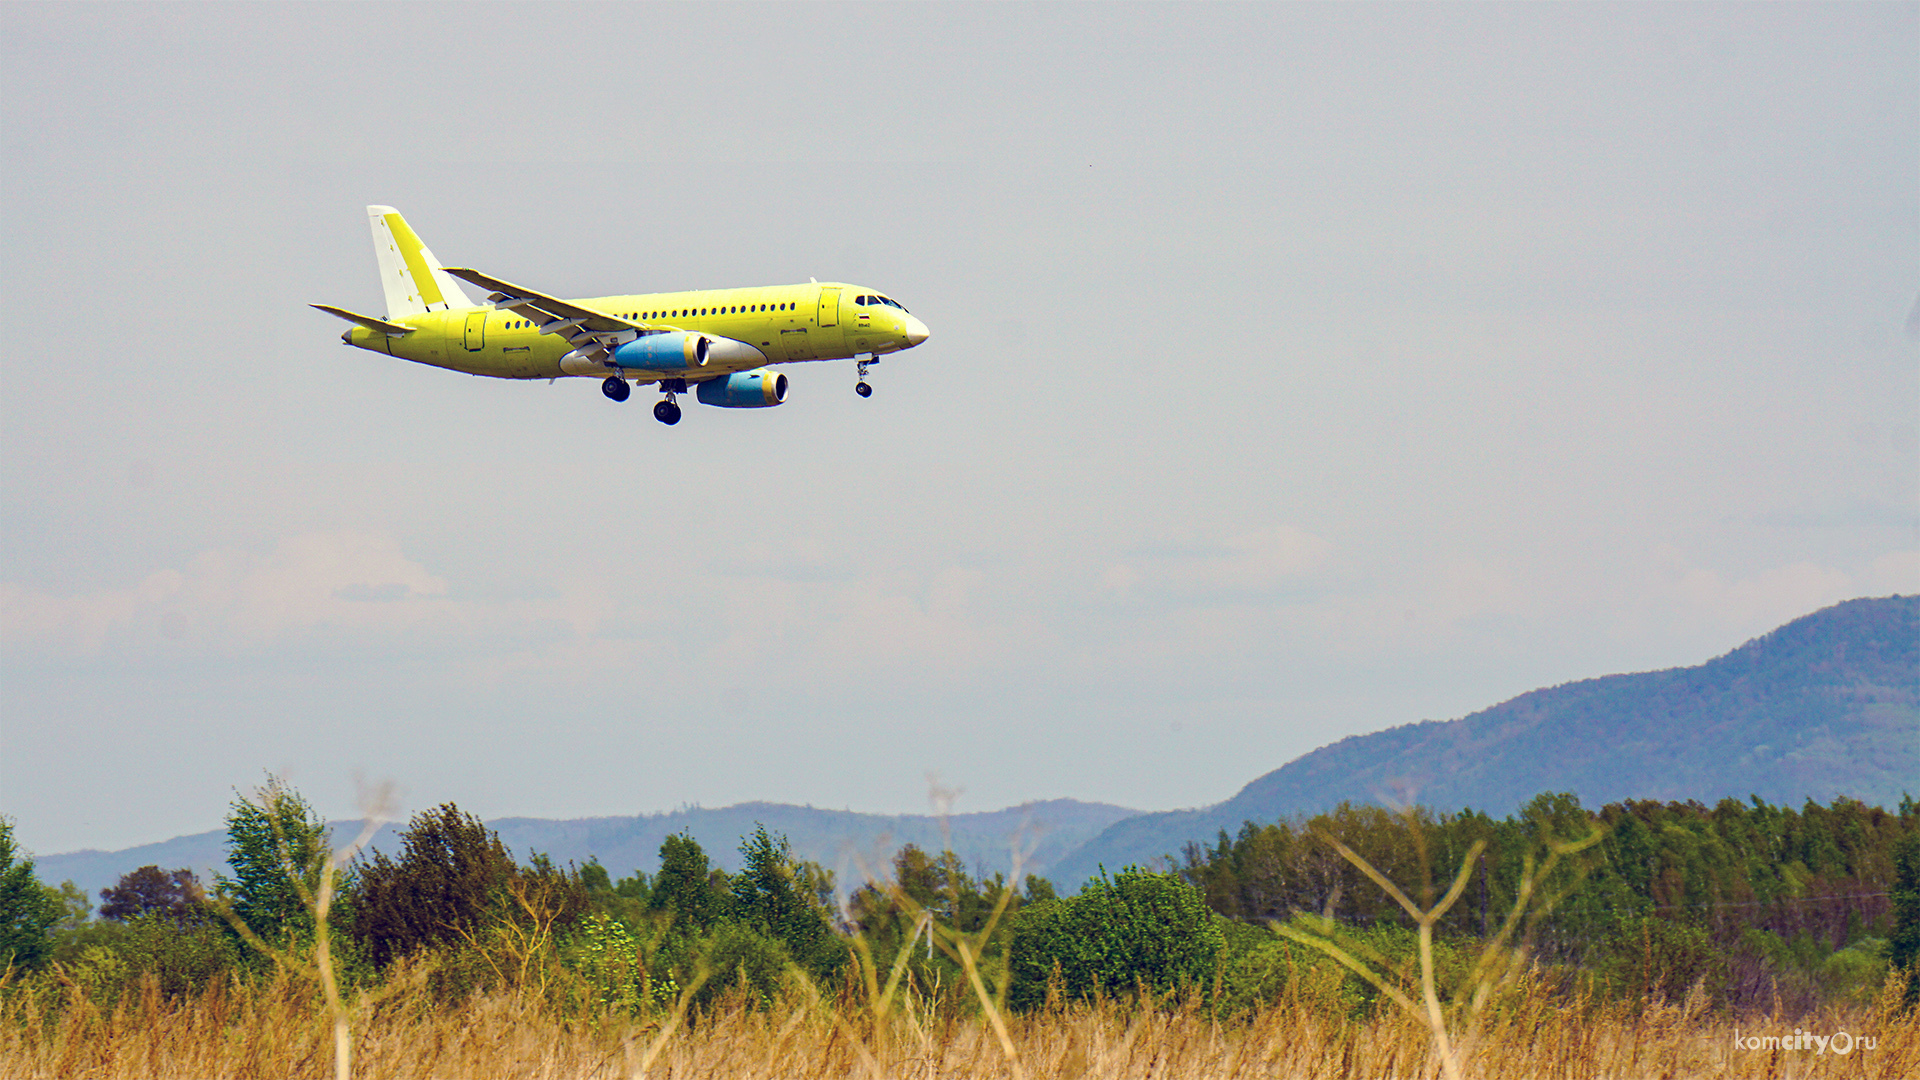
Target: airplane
point(720, 343)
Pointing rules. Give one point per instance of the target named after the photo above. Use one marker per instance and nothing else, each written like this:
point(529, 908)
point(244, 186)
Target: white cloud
point(235, 599)
point(1240, 563)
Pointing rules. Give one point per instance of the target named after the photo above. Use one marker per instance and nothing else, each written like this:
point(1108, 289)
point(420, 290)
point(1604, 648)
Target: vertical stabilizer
point(408, 271)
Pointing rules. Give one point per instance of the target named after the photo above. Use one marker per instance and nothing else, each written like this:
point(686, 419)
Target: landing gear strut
point(616, 388)
point(860, 369)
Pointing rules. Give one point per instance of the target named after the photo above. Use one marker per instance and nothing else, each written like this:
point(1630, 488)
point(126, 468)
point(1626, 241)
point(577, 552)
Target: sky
point(1296, 372)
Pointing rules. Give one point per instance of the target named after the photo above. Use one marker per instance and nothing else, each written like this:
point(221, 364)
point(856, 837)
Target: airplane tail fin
point(414, 281)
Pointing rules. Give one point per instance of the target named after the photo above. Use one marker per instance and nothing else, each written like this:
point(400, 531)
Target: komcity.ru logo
point(1840, 1042)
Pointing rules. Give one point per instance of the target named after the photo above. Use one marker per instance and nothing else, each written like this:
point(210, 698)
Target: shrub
point(738, 956)
point(181, 957)
point(1270, 968)
point(1650, 958)
point(1137, 929)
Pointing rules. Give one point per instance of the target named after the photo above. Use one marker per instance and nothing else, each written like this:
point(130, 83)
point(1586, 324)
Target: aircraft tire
point(616, 388)
point(667, 413)
point(863, 389)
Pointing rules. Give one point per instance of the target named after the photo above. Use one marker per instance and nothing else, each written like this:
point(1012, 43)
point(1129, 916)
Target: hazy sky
point(1296, 372)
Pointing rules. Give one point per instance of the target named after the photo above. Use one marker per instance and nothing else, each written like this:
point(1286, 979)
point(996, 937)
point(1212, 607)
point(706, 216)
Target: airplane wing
point(592, 333)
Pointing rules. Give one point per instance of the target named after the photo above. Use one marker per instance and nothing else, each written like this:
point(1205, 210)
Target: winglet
point(378, 326)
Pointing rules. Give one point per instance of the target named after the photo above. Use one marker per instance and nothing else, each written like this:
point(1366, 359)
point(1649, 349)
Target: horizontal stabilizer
point(378, 326)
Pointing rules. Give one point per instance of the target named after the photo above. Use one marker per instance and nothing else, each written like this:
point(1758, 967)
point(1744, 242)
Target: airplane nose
point(916, 332)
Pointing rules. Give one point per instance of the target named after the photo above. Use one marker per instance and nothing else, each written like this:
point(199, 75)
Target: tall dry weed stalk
point(378, 809)
point(1500, 961)
point(882, 1004)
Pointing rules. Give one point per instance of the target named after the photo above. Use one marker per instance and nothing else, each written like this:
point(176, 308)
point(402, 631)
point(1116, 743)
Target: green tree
point(1138, 928)
point(686, 886)
point(1903, 948)
point(277, 847)
point(27, 913)
point(783, 899)
point(75, 907)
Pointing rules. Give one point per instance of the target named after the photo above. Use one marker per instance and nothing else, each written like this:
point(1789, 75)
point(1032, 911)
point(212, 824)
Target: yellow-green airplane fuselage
point(785, 323)
point(715, 343)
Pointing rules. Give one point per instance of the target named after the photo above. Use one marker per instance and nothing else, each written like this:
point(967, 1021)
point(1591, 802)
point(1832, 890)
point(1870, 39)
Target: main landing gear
point(616, 388)
point(668, 411)
point(860, 368)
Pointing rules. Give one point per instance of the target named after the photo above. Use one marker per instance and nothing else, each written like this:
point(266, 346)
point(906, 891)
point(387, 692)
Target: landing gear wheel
point(616, 388)
point(667, 413)
point(863, 389)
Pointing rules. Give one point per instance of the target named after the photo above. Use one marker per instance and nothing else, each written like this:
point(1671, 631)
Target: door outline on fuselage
point(796, 345)
point(829, 308)
point(476, 330)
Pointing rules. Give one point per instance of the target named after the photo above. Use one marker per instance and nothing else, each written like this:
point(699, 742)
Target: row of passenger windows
point(684, 313)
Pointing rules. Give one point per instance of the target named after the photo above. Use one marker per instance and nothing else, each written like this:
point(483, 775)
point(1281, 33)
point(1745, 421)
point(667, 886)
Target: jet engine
point(673, 351)
point(756, 389)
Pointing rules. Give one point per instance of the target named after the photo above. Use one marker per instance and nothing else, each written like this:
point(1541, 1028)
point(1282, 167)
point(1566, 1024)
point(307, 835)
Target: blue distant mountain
point(848, 843)
point(1825, 706)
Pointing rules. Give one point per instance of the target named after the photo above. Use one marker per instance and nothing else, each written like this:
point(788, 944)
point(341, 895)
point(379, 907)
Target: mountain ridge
point(1824, 706)
point(845, 841)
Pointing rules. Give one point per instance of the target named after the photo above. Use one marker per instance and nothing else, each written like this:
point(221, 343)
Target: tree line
point(1744, 900)
point(1745, 895)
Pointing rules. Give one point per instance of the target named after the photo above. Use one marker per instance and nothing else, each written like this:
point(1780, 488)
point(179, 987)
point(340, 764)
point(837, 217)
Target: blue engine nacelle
point(756, 389)
point(673, 351)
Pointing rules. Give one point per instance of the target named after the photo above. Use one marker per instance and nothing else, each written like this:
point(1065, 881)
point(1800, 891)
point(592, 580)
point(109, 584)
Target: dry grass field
point(281, 1028)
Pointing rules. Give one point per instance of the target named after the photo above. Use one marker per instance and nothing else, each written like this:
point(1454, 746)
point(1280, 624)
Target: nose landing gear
point(860, 369)
point(616, 388)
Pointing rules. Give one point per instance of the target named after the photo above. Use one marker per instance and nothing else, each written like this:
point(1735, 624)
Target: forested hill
point(1826, 705)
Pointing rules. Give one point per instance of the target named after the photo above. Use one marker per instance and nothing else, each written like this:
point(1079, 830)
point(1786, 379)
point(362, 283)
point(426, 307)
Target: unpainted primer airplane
point(719, 342)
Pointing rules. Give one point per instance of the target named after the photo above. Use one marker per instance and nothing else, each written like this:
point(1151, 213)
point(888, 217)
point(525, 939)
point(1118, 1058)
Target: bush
point(1856, 973)
point(740, 957)
point(181, 957)
point(1138, 929)
point(1650, 958)
point(1258, 973)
